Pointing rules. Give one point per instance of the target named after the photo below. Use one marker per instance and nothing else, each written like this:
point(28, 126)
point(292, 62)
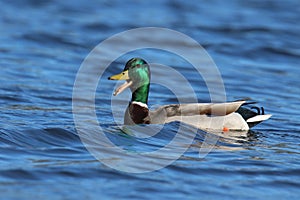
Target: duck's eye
point(138, 65)
point(123, 73)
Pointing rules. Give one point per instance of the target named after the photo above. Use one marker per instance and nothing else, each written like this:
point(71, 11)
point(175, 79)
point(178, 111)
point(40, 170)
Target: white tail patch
point(258, 118)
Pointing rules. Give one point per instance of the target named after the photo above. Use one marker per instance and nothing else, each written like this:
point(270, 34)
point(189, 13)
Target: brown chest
point(139, 114)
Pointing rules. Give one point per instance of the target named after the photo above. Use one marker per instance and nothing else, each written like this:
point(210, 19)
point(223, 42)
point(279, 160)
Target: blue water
point(255, 45)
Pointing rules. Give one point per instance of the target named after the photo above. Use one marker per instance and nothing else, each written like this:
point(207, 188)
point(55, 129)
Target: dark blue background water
point(42, 44)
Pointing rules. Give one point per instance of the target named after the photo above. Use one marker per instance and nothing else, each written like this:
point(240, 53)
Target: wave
point(67, 141)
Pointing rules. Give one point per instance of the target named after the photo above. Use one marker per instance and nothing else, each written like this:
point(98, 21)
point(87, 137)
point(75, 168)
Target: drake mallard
point(224, 116)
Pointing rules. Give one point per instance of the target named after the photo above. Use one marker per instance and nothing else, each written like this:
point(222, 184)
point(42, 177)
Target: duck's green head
point(137, 76)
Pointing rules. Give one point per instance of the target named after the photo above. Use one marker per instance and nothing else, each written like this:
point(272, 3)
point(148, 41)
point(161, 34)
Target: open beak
point(122, 76)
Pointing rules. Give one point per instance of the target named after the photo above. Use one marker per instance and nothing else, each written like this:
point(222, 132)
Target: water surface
point(255, 45)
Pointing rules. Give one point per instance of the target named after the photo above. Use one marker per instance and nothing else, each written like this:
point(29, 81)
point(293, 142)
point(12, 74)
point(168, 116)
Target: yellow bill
point(121, 76)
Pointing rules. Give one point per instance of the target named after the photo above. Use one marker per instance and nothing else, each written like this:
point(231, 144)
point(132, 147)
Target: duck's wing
point(228, 115)
point(164, 113)
point(232, 121)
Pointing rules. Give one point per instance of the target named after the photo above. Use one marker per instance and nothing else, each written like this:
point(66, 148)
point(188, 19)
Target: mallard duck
point(224, 116)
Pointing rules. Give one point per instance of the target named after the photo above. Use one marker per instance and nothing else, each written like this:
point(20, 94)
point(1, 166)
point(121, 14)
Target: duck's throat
point(137, 111)
point(141, 94)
